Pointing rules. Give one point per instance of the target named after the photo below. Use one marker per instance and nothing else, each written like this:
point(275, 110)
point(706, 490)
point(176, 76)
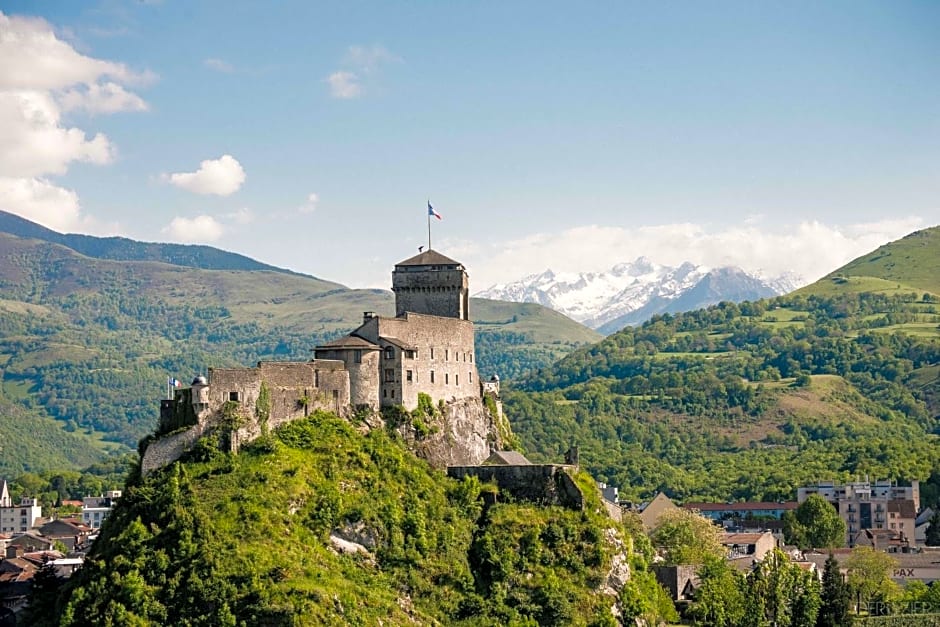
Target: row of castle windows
point(464, 356)
point(410, 377)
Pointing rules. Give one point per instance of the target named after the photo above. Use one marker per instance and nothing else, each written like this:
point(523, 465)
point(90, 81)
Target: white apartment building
point(864, 505)
point(95, 509)
point(17, 518)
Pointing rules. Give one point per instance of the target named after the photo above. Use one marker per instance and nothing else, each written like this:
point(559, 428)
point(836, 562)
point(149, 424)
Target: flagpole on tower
point(429, 224)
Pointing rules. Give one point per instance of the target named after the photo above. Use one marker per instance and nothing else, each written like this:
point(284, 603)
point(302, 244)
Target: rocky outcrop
point(461, 434)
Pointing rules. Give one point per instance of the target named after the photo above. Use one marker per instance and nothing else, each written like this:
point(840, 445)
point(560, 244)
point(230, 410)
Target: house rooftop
point(349, 341)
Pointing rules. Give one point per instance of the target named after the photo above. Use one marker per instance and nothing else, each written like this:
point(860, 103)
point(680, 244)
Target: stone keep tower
point(430, 283)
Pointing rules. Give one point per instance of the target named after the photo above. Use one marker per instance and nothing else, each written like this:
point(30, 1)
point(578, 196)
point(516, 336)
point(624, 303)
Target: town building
point(17, 518)
point(742, 514)
point(95, 509)
point(864, 505)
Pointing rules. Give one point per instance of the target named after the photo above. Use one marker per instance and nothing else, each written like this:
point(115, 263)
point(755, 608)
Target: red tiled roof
point(740, 507)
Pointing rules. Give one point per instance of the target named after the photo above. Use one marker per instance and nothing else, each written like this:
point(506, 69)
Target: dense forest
point(750, 400)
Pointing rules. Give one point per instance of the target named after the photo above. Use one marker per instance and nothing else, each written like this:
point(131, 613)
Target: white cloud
point(242, 216)
point(198, 229)
point(34, 143)
point(358, 61)
point(219, 65)
point(106, 98)
point(40, 201)
point(32, 57)
point(311, 205)
point(41, 76)
point(344, 85)
point(368, 58)
point(810, 249)
point(222, 176)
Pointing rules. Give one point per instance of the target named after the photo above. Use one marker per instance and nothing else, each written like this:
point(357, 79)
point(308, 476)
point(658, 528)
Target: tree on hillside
point(814, 524)
point(780, 593)
point(870, 575)
point(933, 530)
point(685, 537)
point(836, 598)
point(719, 599)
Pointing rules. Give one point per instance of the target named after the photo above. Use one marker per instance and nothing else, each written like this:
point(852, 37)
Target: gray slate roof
point(506, 458)
point(349, 341)
point(428, 258)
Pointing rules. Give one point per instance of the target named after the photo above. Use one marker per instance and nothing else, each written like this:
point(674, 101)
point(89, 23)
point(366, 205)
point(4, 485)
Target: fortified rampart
point(384, 364)
point(543, 484)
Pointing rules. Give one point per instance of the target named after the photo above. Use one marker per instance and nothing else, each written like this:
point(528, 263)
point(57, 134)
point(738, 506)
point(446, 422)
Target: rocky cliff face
point(459, 434)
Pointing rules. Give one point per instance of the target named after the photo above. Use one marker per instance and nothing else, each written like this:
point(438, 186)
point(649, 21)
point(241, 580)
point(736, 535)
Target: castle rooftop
point(429, 258)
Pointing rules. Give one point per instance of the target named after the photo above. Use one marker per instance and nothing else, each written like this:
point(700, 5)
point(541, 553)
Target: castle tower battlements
point(432, 284)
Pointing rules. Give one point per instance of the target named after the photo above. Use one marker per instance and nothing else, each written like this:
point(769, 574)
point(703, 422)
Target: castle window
point(446, 378)
point(389, 352)
point(393, 393)
point(456, 379)
point(316, 378)
point(389, 375)
point(409, 354)
point(446, 354)
point(432, 352)
point(470, 376)
point(471, 358)
point(357, 356)
point(408, 376)
point(384, 393)
point(432, 376)
point(233, 396)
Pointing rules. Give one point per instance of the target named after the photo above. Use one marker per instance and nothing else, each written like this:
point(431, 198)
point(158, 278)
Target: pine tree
point(836, 599)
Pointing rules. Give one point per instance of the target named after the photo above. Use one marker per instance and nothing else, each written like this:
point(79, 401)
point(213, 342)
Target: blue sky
point(774, 136)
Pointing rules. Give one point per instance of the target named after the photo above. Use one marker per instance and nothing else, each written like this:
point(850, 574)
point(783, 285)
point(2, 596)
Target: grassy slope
point(833, 429)
point(248, 536)
point(31, 442)
point(909, 264)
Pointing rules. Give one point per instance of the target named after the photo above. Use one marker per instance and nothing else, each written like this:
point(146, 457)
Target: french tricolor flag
point(431, 212)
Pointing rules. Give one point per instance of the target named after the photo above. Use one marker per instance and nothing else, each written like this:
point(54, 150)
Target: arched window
point(389, 352)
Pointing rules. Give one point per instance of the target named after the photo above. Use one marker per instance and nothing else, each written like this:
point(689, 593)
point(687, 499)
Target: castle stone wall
point(424, 290)
point(444, 346)
point(168, 449)
point(543, 484)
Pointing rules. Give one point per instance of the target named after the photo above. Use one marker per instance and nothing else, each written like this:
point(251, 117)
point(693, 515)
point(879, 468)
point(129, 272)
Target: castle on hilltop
point(427, 348)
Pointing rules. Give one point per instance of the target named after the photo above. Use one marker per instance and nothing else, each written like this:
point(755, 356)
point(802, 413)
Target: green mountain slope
point(248, 536)
point(123, 249)
point(32, 442)
point(908, 264)
point(92, 341)
point(751, 400)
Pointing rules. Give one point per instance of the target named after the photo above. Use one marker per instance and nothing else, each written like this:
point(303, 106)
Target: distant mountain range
point(630, 293)
point(124, 249)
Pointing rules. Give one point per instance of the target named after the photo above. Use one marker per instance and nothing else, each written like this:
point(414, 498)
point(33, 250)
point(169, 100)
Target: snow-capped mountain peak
point(631, 292)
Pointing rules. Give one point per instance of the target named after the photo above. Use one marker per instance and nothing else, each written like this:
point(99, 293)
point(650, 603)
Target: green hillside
point(91, 342)
point(33, 442)
point(123, 249)
point(908, 264)
point(221, 536)
point(750, 400)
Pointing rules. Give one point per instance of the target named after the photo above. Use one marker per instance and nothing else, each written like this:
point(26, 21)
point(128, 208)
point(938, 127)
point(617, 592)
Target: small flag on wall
point(175, 382)
point(431, 212)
